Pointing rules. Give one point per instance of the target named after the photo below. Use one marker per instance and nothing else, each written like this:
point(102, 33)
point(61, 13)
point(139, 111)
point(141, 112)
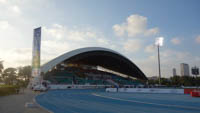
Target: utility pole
point(159, 65)
point(159, 43)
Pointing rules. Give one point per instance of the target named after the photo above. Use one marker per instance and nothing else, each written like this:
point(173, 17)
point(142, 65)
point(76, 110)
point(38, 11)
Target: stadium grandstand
point(93, 66)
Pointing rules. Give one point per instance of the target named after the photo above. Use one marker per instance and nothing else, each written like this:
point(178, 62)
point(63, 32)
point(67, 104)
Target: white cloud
point(152, 31)
point(56, 40)
point(176, 41)
point(16, 56)
point(51, 49)
point(135, 25)
point(150, 49)
point(3, 1)
point(102, 41)
point(4, 25)
point(59, 39)
point(198, 39)
point(119, 29)
point(148, 66)
point(132, 45)
point(60, 32)
point(175, 55)
point(56, 31)
point(11, 8)
point(77, 35)
point(15, 9)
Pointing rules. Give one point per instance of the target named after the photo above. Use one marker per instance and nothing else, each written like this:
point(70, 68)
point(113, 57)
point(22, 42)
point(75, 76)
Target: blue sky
point(129, 27)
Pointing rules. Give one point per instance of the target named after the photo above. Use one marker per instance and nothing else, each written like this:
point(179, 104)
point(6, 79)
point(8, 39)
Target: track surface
point(98, 101)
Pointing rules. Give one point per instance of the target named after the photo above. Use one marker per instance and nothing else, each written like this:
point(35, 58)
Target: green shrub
point(8, 90)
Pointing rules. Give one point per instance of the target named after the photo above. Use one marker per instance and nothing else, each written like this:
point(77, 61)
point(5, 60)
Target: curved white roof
point(70, 54)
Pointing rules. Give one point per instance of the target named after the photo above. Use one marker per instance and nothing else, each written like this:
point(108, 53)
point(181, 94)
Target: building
point(174, 71)
point(97, 56)
point(185, 70)
point(77, 67)
point(195, 71)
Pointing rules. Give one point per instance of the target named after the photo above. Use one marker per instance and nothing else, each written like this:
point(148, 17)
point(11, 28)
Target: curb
point(40, 105)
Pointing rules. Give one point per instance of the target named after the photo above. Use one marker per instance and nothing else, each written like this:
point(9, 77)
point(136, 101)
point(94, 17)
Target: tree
point(1, 70)
point(1, 67)
point(175, 80)
point(25, 72)
point(187, 81)
point(165, 81)
point(9, 75)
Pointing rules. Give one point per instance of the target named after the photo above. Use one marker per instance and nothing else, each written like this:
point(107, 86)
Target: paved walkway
point(16, 103)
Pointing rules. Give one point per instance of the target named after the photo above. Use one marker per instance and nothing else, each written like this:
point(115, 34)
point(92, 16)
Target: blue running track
point(99, 101)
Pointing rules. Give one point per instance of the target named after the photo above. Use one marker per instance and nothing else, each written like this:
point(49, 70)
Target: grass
point(8, 89)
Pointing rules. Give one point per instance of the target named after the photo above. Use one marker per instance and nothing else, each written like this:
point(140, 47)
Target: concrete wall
point(146, 90)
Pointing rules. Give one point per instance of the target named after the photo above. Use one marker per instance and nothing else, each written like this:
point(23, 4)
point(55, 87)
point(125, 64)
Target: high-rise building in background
point(185, 70)
point(174, 71)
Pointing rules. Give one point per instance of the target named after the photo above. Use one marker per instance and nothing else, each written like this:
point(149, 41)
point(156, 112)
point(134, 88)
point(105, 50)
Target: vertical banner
point(36, 52)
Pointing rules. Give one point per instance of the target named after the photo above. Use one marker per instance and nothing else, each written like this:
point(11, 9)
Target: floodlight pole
point(159, 64)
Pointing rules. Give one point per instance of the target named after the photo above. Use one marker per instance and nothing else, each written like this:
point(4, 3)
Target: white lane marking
point(141, 102)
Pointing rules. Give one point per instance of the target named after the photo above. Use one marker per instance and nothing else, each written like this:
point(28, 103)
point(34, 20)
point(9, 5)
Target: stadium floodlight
point(159, 42)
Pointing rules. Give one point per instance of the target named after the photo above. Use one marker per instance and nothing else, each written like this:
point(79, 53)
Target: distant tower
point(174, 71)
point(185, 70)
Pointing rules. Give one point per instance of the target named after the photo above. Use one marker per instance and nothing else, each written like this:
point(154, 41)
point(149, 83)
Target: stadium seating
point(66, 77)
point(125, 81)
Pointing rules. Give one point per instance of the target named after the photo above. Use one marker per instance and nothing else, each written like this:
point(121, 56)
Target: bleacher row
point(64, 77)
point(125, 81)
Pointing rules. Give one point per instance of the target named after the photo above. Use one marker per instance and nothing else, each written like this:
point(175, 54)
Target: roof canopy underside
point(99, 57)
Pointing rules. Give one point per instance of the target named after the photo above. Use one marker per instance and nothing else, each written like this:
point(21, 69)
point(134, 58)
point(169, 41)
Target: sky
point(129, 27)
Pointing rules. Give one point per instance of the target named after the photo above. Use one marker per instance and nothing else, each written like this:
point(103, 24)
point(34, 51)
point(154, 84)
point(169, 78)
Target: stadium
point(93, 66)
point(94, 79)
point(99, 56)
point(101, 80)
